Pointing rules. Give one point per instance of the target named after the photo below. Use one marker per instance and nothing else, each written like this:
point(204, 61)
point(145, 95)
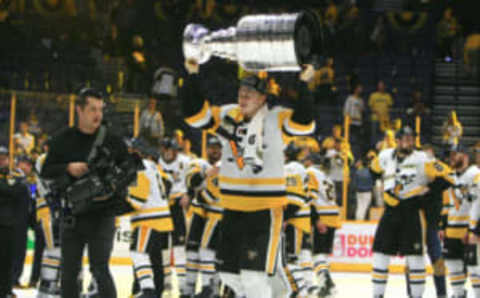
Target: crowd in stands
point(375, 67)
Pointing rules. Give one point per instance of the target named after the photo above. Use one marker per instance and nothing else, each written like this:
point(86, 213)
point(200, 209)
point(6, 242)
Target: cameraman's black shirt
point(74, 146)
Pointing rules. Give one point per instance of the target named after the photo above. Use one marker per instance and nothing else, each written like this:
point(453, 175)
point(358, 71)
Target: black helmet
point(169, 142)
point(255, 83)
point(292, 151)
point(25, 158)
point(317, 159)
point(214, 141)
point(405, 131)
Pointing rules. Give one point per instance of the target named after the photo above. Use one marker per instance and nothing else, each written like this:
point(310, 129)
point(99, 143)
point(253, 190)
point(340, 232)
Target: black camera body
point(104, 187)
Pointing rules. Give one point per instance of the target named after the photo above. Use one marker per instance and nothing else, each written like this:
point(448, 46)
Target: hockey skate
point(147, 293)
point(48, 289)
point(207, 292)
point(168, 292)
point(92, 291)
point(228, 292)
point(328, 288)
point(313, 291)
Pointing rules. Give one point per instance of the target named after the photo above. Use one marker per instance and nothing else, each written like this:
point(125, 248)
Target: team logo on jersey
point(241, 131)
point(291, 181)
point(251, 139)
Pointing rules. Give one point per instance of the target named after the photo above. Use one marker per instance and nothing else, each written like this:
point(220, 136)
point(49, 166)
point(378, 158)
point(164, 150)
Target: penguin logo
point(251, 139)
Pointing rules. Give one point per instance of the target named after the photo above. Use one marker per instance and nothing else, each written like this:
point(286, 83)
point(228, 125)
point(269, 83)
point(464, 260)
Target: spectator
point(472, 54)
point(337, 156)
point(447, 30)
point(204, 11)
point(380, 103)
point(363, 182)
point(354, 108)
point(112, 46)
point(33, 125)
point(351, 35)
point(124, 15)
point(24, 140)
point(152, 127)
point(331, 17)
point(138, 78)
point(329, 142)
point(418, 107)
point(379, 34)
point(231, 11)
point(352, 15)
point(452, 130)
point(323, 81)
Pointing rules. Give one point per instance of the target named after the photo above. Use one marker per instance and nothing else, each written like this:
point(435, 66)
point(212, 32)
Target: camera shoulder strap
point(102, 132)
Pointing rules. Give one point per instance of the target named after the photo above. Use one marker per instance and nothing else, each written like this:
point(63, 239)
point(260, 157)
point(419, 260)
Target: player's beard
point(405, 151)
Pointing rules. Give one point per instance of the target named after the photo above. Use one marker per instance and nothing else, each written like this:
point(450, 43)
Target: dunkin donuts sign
point(353, 244)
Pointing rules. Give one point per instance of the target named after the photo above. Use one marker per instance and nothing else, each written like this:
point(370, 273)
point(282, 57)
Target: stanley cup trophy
point(282, 42)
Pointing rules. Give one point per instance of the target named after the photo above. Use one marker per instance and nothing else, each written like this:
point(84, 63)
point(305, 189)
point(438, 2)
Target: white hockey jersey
point(243, 187)
point(321, 190)
point(176, 169)
point(149, 197)
point(297, 187)
point(408, 178)
point(459, 202)
point(206, 202)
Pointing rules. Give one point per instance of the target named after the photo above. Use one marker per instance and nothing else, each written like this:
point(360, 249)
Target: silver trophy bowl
point(281, 42)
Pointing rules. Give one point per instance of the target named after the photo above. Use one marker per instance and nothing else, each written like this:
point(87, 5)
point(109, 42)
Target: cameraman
point(67, 162)
point(12, 191)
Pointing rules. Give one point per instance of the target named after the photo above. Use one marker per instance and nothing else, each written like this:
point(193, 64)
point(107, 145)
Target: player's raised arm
point(301, 121)
point(195, 106)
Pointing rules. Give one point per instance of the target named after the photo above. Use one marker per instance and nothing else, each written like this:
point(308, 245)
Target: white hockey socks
point(380, 274)
point(167, 270)
point(417, 275)
point(192, 272)
point(51, 265)
point(143, 270)
point(180, 256)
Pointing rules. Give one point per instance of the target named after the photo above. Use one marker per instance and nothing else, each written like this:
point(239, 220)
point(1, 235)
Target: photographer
point(67, 163)
point(12, 191)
